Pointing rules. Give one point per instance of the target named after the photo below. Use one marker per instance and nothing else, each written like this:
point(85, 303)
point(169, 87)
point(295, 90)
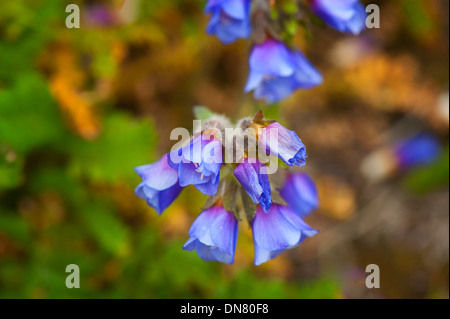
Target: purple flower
point(159, 186)
point(300, 193)
point(214, 235)
point(276, 231)
point(254, 179)
point(421, 149)
point(344, 15)
point(276, 71)
point(230, 19)
point(279, 141)
point(199, 163)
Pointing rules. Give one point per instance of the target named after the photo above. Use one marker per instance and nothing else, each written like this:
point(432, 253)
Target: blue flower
point(300, 193)
point(159, 186)
point(214, 235)
point(347, 16)
point(276, 71)
point(276, 231)
point(199, 163)
point(279, 141)
point(421, 149)
point(254, 179)
point(230, 19)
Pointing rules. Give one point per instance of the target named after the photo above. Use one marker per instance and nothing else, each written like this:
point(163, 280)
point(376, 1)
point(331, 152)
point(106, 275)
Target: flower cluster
point(276, 70)
point(275, 213)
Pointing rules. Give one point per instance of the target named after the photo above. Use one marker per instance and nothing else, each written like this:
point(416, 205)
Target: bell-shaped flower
point(230, 19)
point(347, 16)
point(277, 71)
point(252, 175)
point(214, 235)
point(276, 231)
point(420, 149)
point(277, 140)
point(300, 193)
point(159, 186)
point(199, 163)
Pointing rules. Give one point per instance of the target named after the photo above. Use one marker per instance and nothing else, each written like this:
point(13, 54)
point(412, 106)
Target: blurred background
point(80, 108)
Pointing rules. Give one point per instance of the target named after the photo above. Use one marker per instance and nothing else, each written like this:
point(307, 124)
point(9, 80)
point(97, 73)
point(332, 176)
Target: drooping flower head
point(277, 140)
point(277, 71)
point(214, 235)
point(199, 163)
point(230, 19)
point(252, 175)
point(420, 149)
point(159, 186)
point(276, 231)
point(347, 16)
point(300, 193)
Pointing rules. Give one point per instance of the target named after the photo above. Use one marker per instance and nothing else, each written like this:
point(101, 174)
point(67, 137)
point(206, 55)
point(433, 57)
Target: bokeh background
point(80, 108)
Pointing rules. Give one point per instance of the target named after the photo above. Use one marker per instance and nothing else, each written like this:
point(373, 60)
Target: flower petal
point(238, 9)
point(418, 150)
point(214, 235)
point(200, 228)
point(254, 179)
point(272, 231)
point(297, 221)
point(158, 175)
point(306, 75)
point(281, 142)
point(224, 231)
point(190, 175)
point(254, 80)
point(271, 58)
point(230, 19)
point(159, 200)
point(263, 255)
point(344, 15)
point(210, 187)
point(300, 192)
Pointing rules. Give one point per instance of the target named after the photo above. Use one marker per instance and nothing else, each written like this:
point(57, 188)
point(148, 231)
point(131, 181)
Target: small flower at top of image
point(277, 71)
point(230, 19)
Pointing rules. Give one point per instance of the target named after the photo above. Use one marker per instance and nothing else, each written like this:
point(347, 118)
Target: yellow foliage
point(65, 85)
